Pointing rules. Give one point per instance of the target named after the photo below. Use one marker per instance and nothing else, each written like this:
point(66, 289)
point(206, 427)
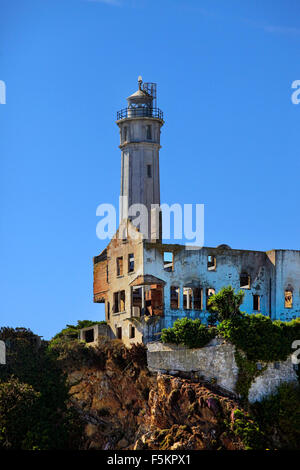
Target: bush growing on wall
point(259, 337)
point(190, 333)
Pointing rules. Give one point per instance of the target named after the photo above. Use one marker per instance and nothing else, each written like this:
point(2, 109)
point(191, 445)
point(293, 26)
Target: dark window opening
point(211, 263)
point(154, 299)
point(256, 303)
point(124, 134)
point(107, 273)
point(119, 301)
point(119, 332)
point(197, 295)
point(276, 365)
point(108, 310)
point(149, 171)
point(89, 336)
point(168, 261)
point(131, 331)
point(136, 301)
point(120, 266)
point(174, 297)
point(245, 281)
point(148, 133)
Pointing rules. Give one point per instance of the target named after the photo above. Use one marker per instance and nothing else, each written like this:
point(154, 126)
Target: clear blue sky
point(231, 137)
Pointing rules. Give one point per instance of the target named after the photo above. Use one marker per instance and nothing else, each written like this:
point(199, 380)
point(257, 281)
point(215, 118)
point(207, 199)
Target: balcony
point(140, 112)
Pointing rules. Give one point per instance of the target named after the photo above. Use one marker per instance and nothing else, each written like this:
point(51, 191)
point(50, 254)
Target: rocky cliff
point(124, 406)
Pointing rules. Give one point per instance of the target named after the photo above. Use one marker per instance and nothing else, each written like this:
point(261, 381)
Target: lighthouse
point(140, 126)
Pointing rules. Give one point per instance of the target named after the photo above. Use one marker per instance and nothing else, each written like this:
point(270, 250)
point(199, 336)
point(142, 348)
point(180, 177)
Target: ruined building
point(145, 284)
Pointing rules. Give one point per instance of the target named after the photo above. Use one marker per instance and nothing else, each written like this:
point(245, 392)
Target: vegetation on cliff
point(190, 333)
point(34, 394)
point(67, 394)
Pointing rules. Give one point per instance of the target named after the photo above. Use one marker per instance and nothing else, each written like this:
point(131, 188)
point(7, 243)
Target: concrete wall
point(190, 268)
point(216, 361)
point(99, 330)
point(267, 383)
point(287, 263)
point(117, 283)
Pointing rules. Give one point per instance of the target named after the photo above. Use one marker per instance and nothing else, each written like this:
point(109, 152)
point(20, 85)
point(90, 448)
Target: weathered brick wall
point(100, 280)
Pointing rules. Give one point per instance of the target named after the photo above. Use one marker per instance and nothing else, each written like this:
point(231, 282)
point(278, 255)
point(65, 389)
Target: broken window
point(120, 266)
point(136, 294)
point(89, 336)
point(131, 263)
point(187, 298)
point(119, 301)
point(209, 293)
point(168, 261)
point(256, 302)
point(148, 133)
point(211, 263)
point(245, 281)
point(122, 300)
point(119, 332)
point(288, 299)
point(131, 331)
point(154, 299)
point(197, 295)
point(149, 171)
point(174, 297)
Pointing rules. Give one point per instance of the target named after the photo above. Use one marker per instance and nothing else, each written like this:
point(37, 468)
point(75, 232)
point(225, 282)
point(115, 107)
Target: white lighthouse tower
point(140, 125)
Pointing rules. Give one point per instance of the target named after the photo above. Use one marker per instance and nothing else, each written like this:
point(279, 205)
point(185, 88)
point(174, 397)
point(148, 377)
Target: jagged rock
point(90, 429)
point(123, 443)
point(134, 409)
point(213, 405)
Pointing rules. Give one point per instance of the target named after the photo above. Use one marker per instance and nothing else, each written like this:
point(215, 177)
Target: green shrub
point(279, 415)
point(52, 424)
point(17, 402)
point(225, 304)
point(259, 337)
point(247, 429)
point(190, 333)
point(71, 331)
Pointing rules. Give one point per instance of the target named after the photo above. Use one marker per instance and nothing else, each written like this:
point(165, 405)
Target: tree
point(225, 304)
point(17, 402)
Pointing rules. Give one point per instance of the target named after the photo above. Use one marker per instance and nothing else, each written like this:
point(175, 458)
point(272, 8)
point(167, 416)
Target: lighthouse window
point(149, 171)
point(148, 133)
point(124, 134)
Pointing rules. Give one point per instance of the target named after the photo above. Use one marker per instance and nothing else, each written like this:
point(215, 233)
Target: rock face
point(124, 406)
